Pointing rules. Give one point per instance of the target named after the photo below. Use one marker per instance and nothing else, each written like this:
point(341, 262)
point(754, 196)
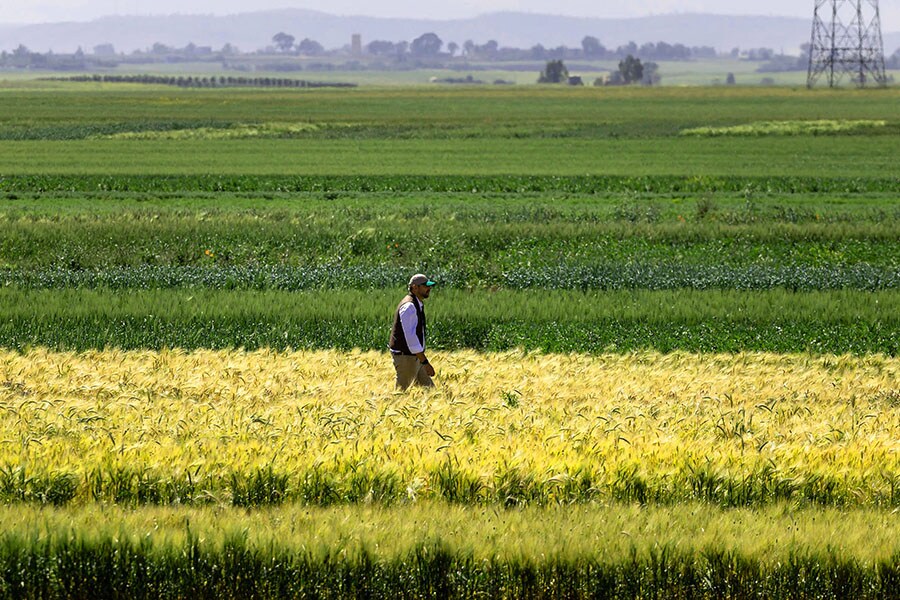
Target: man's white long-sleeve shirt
point(409, 320)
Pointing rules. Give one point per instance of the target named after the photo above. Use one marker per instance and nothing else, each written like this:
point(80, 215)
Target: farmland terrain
point(665, 328)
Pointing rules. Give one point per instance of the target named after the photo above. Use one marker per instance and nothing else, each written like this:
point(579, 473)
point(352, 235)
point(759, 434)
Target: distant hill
point(254, 30)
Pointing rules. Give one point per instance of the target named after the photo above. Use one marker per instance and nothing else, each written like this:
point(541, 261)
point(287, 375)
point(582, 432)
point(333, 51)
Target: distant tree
point(760, 54)
point(592, 47)
point(680, 52)
point(228, 49)
point(283, 41)
point(631, 69)
point(468, 47)
point(161, 49)
point(554, 72)
point(428, 44)
point(452, 47)
point(39, 60)
point(665, 51)
point(310, 47)
point(21, 51)
point(629, 48)
point(651, 74)
point(558, 53)
point(489, 50)
point(381, 48)
point(730, 80)
point(538, 52)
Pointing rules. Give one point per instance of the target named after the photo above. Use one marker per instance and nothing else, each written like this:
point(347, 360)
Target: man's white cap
point(419, 279)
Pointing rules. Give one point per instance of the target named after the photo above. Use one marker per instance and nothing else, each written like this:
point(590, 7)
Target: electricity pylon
point(846, 40)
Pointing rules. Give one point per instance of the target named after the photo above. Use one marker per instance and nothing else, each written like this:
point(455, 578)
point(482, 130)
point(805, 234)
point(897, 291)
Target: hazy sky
point(35, 11)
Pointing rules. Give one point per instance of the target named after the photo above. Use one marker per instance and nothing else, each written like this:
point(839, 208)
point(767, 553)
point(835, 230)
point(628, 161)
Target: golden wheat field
point(738, 428)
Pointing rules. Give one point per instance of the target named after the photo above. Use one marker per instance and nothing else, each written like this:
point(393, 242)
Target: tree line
point(631, 71)
point(426, 46)
point(430, 45)
point(202, 82)
point(426, 50)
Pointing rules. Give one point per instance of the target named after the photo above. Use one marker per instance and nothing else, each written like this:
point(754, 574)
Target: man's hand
point(425, 364)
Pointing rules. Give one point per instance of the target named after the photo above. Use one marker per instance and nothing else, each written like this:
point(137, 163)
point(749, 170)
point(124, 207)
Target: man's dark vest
point(398, 343)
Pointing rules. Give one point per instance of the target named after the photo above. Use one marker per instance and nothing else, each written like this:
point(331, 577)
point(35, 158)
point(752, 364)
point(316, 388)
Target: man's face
point(422, 291)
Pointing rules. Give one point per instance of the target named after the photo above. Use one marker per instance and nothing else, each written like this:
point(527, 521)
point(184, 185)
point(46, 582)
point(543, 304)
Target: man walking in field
point(407, 342)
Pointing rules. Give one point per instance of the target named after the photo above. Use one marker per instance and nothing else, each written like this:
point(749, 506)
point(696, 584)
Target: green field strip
point(517, 200)
point(583, 276)
point(593, 322)
point(853, 157)
point(445, 551)
point(627, 110)
point(53, 180)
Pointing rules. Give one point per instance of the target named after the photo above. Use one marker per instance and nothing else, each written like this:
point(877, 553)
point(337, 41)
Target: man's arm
point(408, 321)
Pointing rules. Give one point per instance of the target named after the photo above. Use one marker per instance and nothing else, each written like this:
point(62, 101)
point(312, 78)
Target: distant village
point(637, 63)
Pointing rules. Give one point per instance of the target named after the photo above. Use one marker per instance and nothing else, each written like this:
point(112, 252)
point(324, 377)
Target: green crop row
point(588, 164)
point(539, 306)
point(341, 484)
point(490, 247)
point(495, 239)
point(477, 184)
point(701, 213)
point(603, 276)
point(356, 553)
point(593, 322)
point(620, 335)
